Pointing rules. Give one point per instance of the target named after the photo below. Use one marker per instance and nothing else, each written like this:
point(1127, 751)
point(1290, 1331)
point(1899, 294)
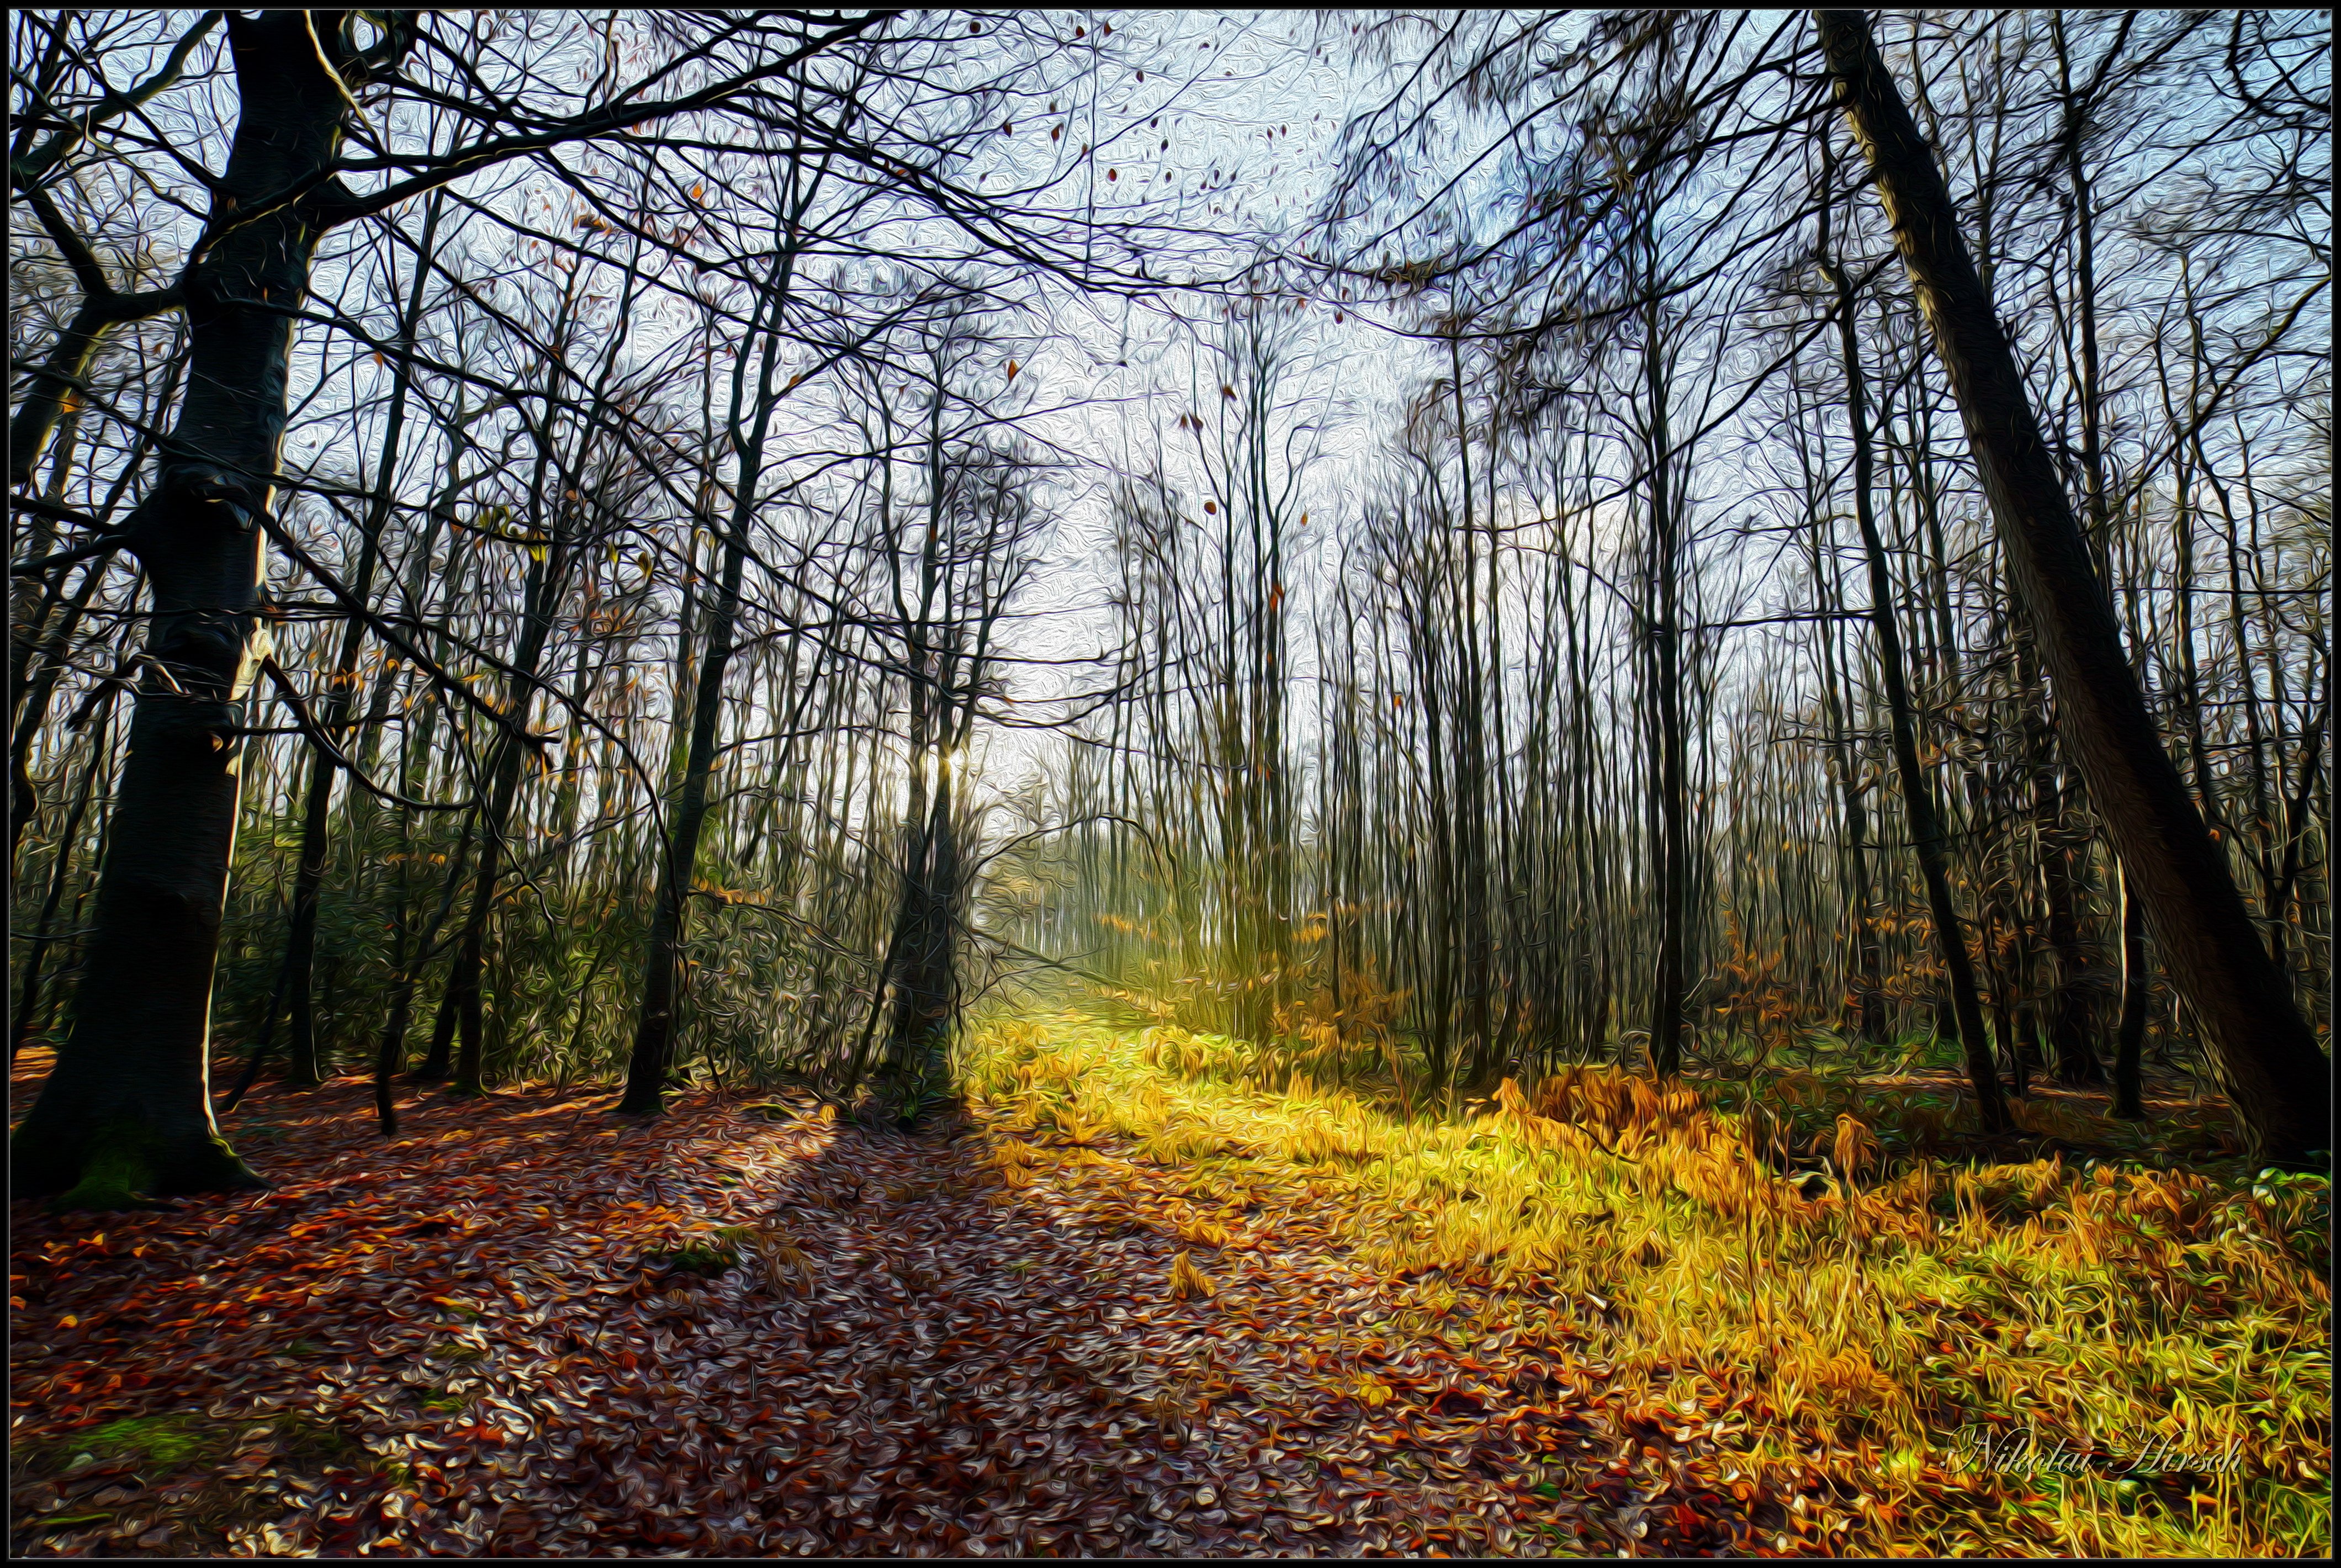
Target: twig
point(334, 754)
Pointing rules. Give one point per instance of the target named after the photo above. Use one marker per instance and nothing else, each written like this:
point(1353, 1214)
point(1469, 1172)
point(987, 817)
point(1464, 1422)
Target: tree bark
point(1666, 983)
point(2260, 1048)
point(301, 1065)
point(2068, 999)
point(1918, 789)
point(509, 756)
point(127, 1109)
point(1844, 758)
point(926, 943)
point(45, 923)
point(662, 966)
point(654, 1034)
point(2129, 1037)
point(341, 689)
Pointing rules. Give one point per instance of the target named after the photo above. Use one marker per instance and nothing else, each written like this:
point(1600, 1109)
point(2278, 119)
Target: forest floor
point(467, 1341)
point(1075, 1320)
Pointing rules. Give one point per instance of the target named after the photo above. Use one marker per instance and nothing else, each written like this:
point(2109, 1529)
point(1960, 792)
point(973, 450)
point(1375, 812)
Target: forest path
point(914, 1356)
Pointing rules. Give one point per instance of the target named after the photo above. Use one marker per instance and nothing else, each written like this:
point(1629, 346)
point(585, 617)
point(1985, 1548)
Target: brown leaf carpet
point(910, 1357)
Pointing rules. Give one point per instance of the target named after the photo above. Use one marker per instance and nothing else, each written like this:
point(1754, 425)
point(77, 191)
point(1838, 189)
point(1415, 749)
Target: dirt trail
point(912, 1357)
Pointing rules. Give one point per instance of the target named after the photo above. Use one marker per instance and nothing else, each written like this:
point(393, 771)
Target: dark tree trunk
point(926, 949)
point(411, 952)
point(2069, 1022)
point(465, 979)
point(662, 977)
point(2261, 1050)
point(2130, 1038)
point(1918, 789)
point(127, 1109)
point(341, 689)
point(653, 1059)
point(29, 1000)
point(1869, 981)
point(1667, 987)
point(302, 1065)
point(439, 1056)
point(463, 1007)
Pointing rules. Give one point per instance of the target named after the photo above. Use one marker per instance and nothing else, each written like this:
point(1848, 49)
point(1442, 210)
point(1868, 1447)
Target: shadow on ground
point(527, 1327)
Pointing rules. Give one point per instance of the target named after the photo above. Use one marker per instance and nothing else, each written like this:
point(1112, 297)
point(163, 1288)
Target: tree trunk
point(414, 952)
point(2129, 1039)
point(341, 689)
point(662, 966)
point(653, 1058)
point(654, 1036)
point(439, 1056)
point(468, 973)
point(1918, 789)
point(2068, 997)
point(2260, 1048)
point(1843, 755)
point(127, 1109)
point(926, 946)
point(301, 933)
point(45, 923)
point(1667, 987)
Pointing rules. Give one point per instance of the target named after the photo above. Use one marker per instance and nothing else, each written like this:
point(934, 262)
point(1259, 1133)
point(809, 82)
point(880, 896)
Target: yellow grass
point(1871, 1330)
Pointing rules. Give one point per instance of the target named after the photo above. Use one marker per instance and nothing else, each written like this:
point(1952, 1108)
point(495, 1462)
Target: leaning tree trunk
point(664, 966)
point(127, 1109)
point(662, 970)
point(2260, 1048)
point(461, 1007)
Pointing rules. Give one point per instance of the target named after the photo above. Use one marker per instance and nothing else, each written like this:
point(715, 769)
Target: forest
point(796, 784)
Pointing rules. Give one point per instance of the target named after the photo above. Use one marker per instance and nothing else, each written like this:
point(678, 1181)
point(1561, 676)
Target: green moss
point(696, 1258)
point(156, 1440)
point(115, 1176)
point(191, 1445)
point(67, 1521)
point(126, 1164)
point(175, 1439)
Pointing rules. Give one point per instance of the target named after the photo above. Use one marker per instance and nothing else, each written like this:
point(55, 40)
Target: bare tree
point(2265, 1057)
